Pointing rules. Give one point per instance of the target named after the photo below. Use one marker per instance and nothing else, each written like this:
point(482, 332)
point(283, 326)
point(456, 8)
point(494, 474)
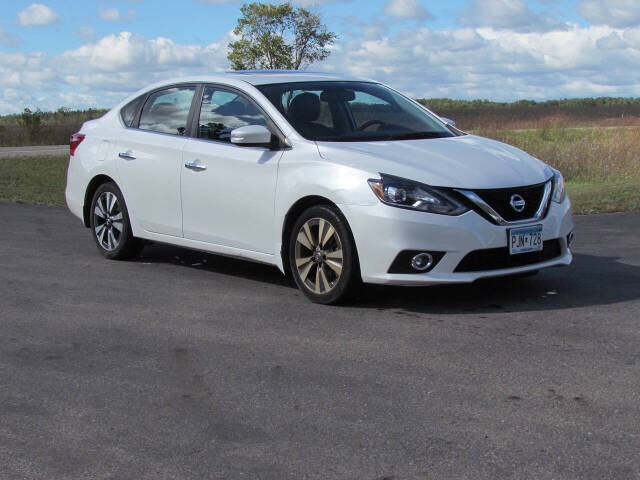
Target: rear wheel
point(110, 224)
point(322, 255)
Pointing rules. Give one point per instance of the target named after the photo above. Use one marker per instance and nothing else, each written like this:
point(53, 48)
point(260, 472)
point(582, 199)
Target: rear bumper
point(381, 232)
point(74, 193)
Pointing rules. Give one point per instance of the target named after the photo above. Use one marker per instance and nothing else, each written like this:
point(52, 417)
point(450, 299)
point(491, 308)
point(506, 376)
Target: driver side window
point(225, 110)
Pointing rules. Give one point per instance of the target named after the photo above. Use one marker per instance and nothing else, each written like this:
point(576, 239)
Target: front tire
point(322, 255)
point(110, 226)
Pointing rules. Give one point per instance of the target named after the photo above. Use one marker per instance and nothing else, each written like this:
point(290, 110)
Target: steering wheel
point(366, 125)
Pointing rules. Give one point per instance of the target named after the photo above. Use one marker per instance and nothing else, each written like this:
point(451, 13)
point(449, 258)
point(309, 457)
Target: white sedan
point(334, 180)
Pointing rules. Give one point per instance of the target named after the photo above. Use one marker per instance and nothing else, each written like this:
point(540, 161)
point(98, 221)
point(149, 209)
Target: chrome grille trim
point(497, 218)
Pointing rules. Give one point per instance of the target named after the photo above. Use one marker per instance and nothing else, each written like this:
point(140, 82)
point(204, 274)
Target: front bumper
point(381, 232)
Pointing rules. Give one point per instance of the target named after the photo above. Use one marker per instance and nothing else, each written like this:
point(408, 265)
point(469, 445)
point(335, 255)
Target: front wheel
point(110, 224)
point(322, 255)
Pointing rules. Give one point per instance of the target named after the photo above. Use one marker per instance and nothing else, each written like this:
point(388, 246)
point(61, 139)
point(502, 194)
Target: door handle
point(126, 155)
point(195, 165)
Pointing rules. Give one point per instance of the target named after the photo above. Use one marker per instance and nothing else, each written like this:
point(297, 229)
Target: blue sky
point(83, 53)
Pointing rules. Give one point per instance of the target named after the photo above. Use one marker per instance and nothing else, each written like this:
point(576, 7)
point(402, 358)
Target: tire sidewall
point(350, 267)
point(126, 237)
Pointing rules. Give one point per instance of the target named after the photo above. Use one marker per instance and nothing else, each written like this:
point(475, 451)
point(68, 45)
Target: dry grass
point(601, 164)
point(502, 121)
point(581, 154)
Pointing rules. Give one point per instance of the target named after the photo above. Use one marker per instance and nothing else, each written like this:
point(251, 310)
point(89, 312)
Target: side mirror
point(448, 121)
point(251, 136)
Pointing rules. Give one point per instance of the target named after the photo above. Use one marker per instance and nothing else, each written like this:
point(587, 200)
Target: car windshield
point(352, 112)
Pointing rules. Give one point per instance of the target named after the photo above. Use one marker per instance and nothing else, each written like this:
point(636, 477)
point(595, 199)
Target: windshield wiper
point(382, 138)
point(418, 135)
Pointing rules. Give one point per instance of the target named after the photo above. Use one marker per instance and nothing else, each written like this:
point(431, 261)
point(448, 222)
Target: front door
point(227, 190)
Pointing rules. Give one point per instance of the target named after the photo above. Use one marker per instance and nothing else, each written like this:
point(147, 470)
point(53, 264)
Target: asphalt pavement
point(184, 365)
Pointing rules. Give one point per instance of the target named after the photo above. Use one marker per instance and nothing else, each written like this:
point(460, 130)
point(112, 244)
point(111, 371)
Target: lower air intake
point(499, 258)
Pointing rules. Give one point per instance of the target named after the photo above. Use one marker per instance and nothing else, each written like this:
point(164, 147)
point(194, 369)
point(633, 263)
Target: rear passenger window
point(223, 111)
point(167, 111)
point(128, 112)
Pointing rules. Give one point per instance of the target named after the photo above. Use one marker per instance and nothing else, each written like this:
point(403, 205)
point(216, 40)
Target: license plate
point(525, 239)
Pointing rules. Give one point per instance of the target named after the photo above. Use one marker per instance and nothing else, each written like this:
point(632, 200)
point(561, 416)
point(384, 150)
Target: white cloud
point(111, 15)
point(615, 13)
point(459, 63)
point(611, 42)
point(507, 15)
point(127, 51)
point(495, 64)
point(632, 37)
point(406, 9)
point(114, 15)
point(36, 15)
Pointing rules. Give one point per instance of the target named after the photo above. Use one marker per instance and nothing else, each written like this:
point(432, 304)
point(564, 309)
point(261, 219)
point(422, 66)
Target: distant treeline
point(448, 103)
point(478, 114)
point(43, 128)
point(54, 128)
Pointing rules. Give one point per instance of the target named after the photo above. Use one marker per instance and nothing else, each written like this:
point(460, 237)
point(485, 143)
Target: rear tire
point(322, 255)
point(110, 226)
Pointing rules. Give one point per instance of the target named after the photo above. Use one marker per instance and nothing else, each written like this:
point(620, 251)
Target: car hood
point(463, 162)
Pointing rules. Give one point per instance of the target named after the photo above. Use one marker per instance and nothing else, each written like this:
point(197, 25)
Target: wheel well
point(293, 214)
point(88, 196)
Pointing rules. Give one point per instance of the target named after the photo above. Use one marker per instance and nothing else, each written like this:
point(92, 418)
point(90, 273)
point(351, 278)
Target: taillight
point(74, 141)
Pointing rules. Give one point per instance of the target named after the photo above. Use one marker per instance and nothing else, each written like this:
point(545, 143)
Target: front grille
point(499, 258)
point(499, 200)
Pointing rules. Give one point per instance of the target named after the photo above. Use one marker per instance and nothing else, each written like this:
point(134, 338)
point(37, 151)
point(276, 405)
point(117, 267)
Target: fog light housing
point(415, 262)
point(569, 239)
point(421, 261)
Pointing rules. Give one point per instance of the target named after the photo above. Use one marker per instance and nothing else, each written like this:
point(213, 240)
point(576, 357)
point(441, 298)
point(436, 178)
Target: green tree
point(31, 120)
point(279, 37)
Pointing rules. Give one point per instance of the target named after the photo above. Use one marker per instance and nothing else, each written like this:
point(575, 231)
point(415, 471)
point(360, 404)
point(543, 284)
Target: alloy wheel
point(318, 255)
point(108, 221)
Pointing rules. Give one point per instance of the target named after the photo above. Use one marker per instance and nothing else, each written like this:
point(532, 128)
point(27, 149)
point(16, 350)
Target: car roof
point(262, 77)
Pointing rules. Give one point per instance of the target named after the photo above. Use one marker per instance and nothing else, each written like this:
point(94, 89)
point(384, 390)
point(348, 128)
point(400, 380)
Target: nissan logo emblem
point(517, 202)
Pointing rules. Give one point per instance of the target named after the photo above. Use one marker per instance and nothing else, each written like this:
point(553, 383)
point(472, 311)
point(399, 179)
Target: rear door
point(150, 159)
point(228, 190)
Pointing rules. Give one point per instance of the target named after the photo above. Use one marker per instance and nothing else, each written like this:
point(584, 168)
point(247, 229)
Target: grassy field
point(602, 168)
point(605, 197)
point(36, 180)
point(581, 154)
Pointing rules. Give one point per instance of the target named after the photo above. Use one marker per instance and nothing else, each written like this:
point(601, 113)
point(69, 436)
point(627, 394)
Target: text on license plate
point(525, 239)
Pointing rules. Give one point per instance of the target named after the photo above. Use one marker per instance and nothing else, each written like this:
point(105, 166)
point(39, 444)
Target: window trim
point(136, 122)
point(136, 116)
point(271, 125)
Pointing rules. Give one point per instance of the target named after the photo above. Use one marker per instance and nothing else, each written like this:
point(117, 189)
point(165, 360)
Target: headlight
point(403, 193)
point(559, 191)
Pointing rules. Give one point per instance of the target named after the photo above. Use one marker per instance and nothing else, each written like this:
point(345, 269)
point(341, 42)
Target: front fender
point(303, 173)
